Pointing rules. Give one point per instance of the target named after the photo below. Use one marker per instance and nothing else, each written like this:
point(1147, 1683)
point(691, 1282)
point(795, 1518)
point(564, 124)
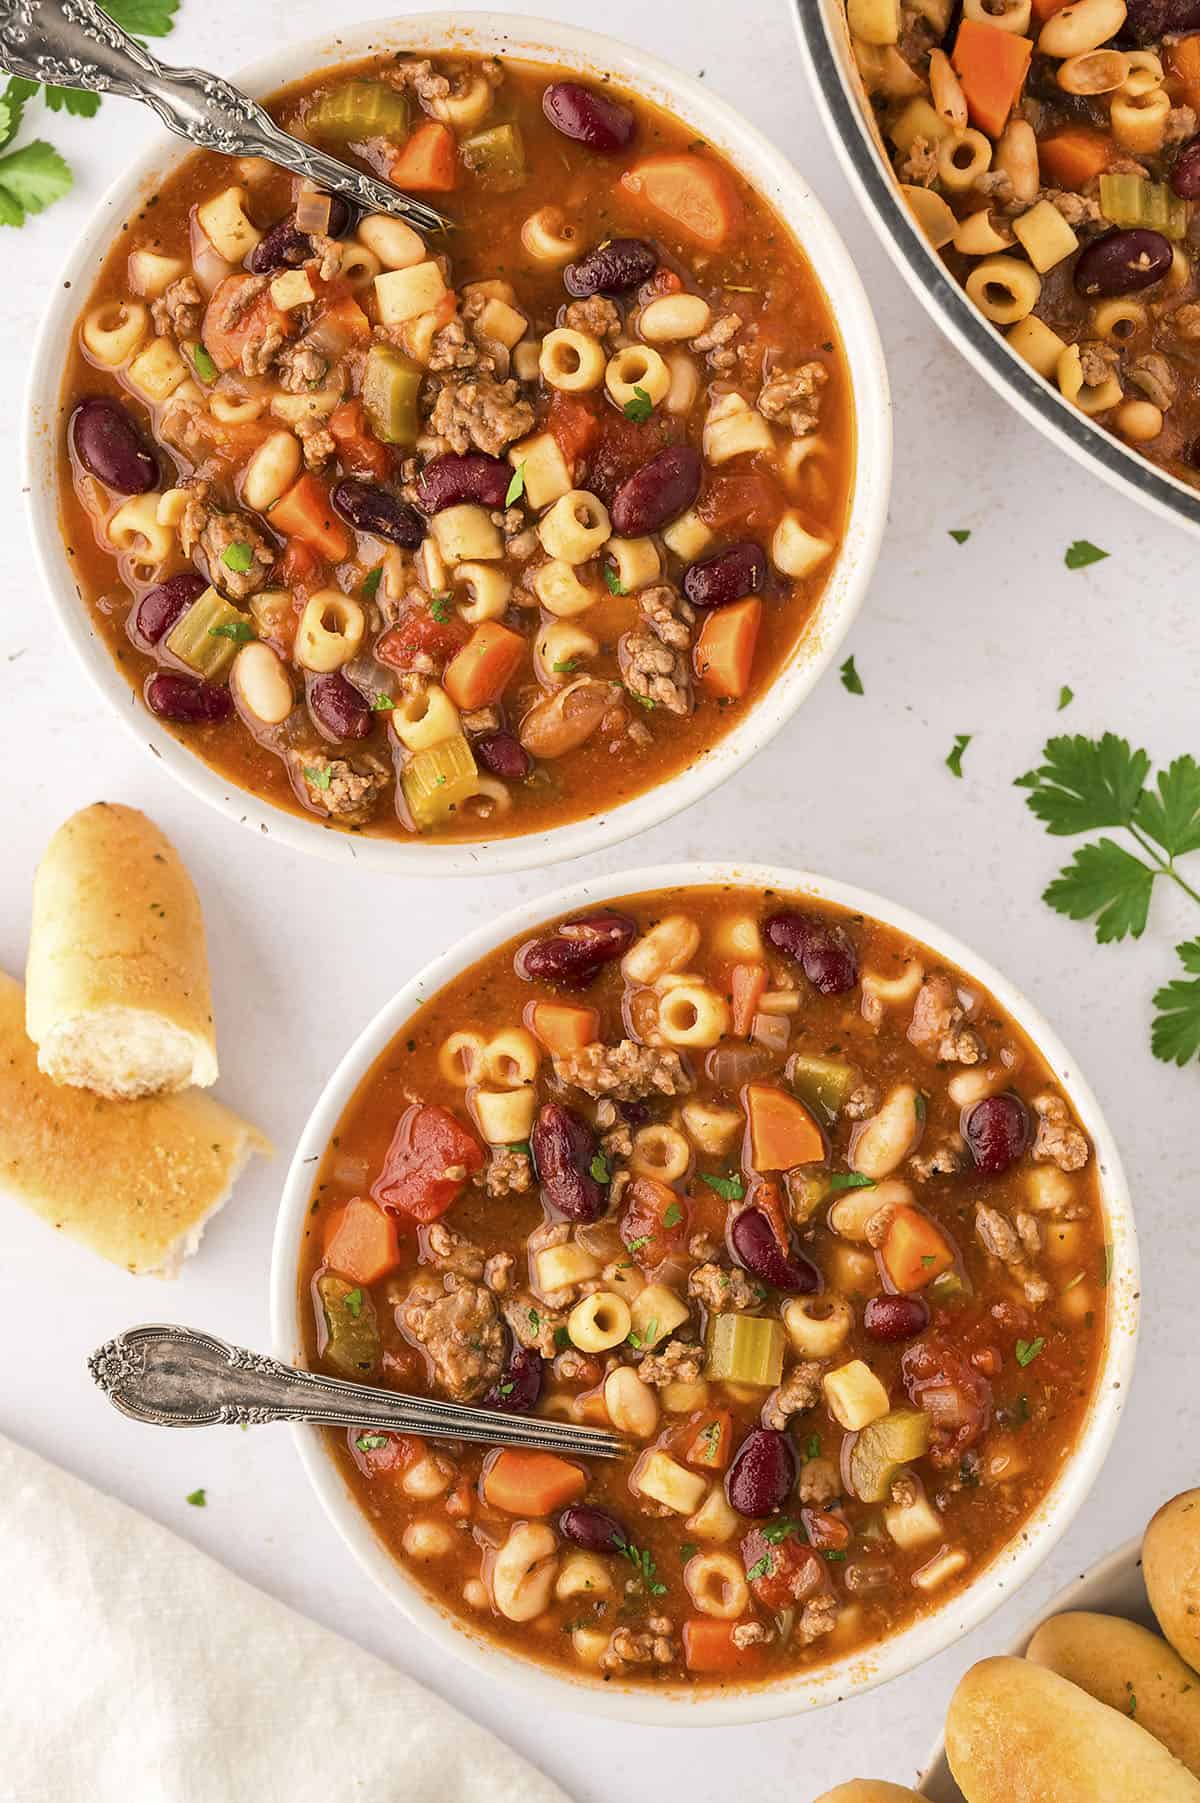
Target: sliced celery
point(948, 1286)
point(744, 1349)
point(437, 780)
point(391, 383)
point(824, 1085)
point(498, 153)
point(351, 1330)
point(359, 110)
point(1132, 200)
point(880, 1450)
point(807, 1188)
point(210, 635)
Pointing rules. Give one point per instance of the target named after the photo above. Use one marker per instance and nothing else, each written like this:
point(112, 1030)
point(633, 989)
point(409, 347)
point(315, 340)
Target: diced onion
point(312, 210)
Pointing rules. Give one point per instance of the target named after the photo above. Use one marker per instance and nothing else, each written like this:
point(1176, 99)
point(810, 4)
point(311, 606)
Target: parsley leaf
point(599, 1168)
point(761, 1568)
point(382, 704)
point(516, 487)
point(371, 581)
point(960, 534)
point(1065, 697)
point(371, 1442)
point(1027, 1350)
point(812, 1446)
point(145, 18)
point(1084, 783)
point(439, 607)
point(615, 585)
point(203, 364)
point(849, 1180)
point(1082, 553)
point(642, 1560)
point(75, 101)
point(954, 761)
point(730, 1189)
point(851, 680)
point(775, 1531)
point(672, 1215)
point(30, 180)
point(1170, 813)
point(565, 669)
point(238, 556)
point(240, 631)
point(354, 1302)
point(639, 407)
point(320, 779)
point(198, 1499)
point(1105, 882)
point(1175, 1030)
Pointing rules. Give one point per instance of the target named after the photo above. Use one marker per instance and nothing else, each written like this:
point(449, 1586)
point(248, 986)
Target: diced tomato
point(224, 342)
point(655, 1222)
point(956, 1397)
point(427, 163)
point(416, 632)
point(299, 565)
point(361, 1242)
point(826, 1531)
point(750, 501)
point(574, 423)
point(381, 1454)
point(765, 1196)
point(710, 1447)
point(782, 1571)
point(428, 1145)
point(361, 453)
point(663, 281)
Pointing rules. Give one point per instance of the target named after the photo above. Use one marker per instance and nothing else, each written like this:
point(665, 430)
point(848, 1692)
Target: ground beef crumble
point(625, 1072)
point(458, 1325)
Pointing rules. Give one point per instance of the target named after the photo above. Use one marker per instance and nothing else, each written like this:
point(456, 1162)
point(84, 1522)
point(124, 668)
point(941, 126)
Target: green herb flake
point(439, 608)
point(833, 1554)
point(1132, 1702)
point(535, 1320)
point(842, 1180)
point(354, 1303)
point(673, 1215)
point(1065, 697)
point(1082, 553)
point(777, 1531)
point(851, 680)
point(761, 1568)
point(1028, 1350)
point(204, 366)
point(812, 1447)
point(642, 1560)
point(516, 487)
point(198, 1499)
point(240, 631)
point(320, 779)
point(238, 556)
point(599, 1168)
point(507, 1389)
point(382, 704)
point(371, 581)
point(565, 669)
point(955, 758)
point(730, 1189)
point(639, 407)
point(562, 1339)
point(688, 1550)
point(615, 585)
point(960, 534)
point(371, 1442)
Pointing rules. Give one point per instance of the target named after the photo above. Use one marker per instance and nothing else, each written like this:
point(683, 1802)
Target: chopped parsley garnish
point(371, 581)
point(1082, 553)
point(775, 1531)
point(535, 1320)
point(673, 1215)
point(521, 1146)
point(954, 760)
point(1027, 1350)
point(320, 779)
point(371, 1442)
point(636, 1245)
point(812, 1446)
point(638, 1340)
point(354, 1302)
point(599, 1168)
point(849, 1180)
point(1132, 1702)
point(198, 1499)
point(506, 1389)
point(639, 407)
point(761, 1568)
point(730, 1189)
point(642, 1560)
point(565, 669)
point(960, 534)
point(615, 585)
point(516, 487)
point(382, 704)
point(851, 679)
point(206, 369)
point(920, 1106)
point(439, 607)
point(238, 556)
point(1065, 697)
point(833, 1554)
point(240, 631)
point(688, 1550)
point(562, 1339)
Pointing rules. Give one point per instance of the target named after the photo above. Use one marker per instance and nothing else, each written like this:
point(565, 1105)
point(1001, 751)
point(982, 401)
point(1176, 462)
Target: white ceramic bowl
point(772, 175)
point(841, 100)
point(1113, 1587)
point(860, 1671)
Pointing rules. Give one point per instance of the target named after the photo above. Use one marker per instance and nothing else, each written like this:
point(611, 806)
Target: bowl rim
point(947, 304)
point(782, 186)
point(856, 1673)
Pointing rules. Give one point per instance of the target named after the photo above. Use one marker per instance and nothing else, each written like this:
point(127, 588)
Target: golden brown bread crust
point(1126, 1666)
point(1017, 1733)
point(1171, 1567)
point(118, 996)
point(134, 1181)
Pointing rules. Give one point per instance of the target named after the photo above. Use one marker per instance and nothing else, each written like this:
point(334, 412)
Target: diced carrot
point(361, 1242)
point(781, 1132)
point(747, 983)
point(915, 1251)
point(764, 1195)
point(561, 1027)
point(428, 1143)
point(427, 163)
point(361, 453)
point(306, 512)
point(225, 343)
point(485, 666)
point(1046, 9)
point(991, 65)
point(711, 1447)
point(724, 654)
point(655, 1221)
point(1074, 155)
point(531, 1483)
point(591, 1409)
point(1183, 62)
point(574, 424)
point(709, 1646)
point(692, 192)
point(299, 565)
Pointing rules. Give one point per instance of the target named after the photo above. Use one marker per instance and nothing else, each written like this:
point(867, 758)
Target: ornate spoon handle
point(73, 44)
point(179, 1377)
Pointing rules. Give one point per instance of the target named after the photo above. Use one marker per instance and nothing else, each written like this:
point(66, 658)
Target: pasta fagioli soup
point(773, 1191)
point(460, 536)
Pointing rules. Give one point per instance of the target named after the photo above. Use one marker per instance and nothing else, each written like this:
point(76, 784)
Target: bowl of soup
point(525, 534)
point(789, 1188)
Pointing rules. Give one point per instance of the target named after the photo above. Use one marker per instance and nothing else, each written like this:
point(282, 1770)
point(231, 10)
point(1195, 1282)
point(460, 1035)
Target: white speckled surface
point(972, 639)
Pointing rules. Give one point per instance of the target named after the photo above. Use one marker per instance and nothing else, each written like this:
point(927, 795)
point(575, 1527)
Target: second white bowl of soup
point(786, 1184)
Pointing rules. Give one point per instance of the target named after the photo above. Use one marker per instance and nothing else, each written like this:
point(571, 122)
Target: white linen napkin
point(134, 1669)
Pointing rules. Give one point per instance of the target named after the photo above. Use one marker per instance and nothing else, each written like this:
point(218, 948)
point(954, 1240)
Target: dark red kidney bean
point(762, 1473)
point(1185, 176)
point(752, 1242)
point(109, 445)
point(518, 1391)
point(449, 480)
point(728, 576)
point(503, 754)
point(593, 1529)
point(1146, 21)
point(823, 951)
point(372, 509)
point(658, 492)
point(997, 1132)
point(576, 952)
point(564, 1147)
point(895, 1317)
point(187, 700)
point(161, 607)
point(613, 268)
point(338, 708)
point(285, 246)
point(1122, 262)
point(342, 215)
point(590, 118)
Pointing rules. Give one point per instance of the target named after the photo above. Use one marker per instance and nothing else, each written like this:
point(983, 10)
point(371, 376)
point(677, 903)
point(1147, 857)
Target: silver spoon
point(179, 1377)
point(73, 44)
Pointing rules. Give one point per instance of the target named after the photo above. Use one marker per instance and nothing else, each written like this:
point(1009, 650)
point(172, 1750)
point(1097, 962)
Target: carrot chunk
point(991, 65)
point(724, 652)
point(1183, 62)
point(915, 1251)
point(531, 1483)
point(709, 1646)
point(360, 451)
point(693, 193)
point(224, 341)
point(1046, 9)
point(782, 1132)
point(361, 1242)
point(1074, 155)
point(747, 983)
point(562, 1028)
point(427, 163)
point(484, 667)
point(306, 512)
point(711, 1447)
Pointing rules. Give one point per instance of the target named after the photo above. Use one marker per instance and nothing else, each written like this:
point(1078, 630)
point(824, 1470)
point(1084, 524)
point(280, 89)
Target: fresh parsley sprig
point(1084, 785)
